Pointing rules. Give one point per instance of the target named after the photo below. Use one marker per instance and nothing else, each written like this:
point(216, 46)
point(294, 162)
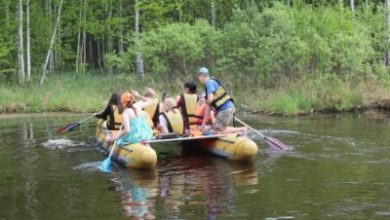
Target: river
point(337, 167)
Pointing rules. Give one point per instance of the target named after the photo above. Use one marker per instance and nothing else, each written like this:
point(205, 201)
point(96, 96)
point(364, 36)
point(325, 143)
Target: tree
point(28, 40)
point(21, 72)
point(139, 62)
point(50, 52)
point(388, 29)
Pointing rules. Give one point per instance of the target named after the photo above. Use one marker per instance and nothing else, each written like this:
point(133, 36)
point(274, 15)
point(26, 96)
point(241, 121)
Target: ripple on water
point(88, 166)
point(54, 144)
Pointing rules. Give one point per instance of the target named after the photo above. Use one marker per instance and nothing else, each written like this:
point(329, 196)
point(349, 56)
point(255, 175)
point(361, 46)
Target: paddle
point(184, 139)
point(73, 125)
point(270, 140)
point(106, 165)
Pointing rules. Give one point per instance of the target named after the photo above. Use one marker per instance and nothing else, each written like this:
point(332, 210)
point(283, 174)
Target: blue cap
point(203, 70)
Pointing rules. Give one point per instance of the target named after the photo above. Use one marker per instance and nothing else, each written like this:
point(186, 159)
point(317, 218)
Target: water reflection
point(202, 186)
point(197, 187)
point(137, 192)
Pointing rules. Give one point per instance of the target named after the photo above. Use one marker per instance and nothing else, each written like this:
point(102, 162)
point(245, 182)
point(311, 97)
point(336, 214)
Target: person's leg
point(223, 120)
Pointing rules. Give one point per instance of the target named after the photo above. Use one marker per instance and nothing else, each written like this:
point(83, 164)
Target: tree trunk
point(79, 37)
point(50, 51)
point(388, 29)
point(84, 47)
point(21, 73)
point(120, 42)
point(139, 62)
point(353, 6)
point(28, 41)
point(109, 27)
point(213, 16)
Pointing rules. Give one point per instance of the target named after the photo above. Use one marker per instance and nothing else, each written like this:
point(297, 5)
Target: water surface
point(337, 168)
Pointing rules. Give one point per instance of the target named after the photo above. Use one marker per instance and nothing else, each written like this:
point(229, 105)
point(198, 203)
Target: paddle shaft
point(115, 143)
point(87, 118)
point(185, 139)
point(246, 125)
point(271, 141)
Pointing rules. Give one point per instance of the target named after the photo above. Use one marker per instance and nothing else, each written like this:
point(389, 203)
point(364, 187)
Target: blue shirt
point(211, 87)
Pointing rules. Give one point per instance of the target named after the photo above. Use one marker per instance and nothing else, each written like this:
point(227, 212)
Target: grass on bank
point(89, 93)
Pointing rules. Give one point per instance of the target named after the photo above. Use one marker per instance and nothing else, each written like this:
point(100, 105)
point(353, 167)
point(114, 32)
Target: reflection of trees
point(137, 190)
point(29, 155)
point(202, 185)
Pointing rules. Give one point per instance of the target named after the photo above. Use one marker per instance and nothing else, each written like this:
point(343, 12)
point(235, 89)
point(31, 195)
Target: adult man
point(218, 98)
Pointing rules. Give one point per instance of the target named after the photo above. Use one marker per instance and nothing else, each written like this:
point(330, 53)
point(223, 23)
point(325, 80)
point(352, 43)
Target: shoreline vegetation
point(275, 57)
point(89, 93)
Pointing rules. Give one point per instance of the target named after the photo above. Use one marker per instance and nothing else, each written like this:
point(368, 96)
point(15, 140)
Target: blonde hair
point(170, 103)
point(149, 92)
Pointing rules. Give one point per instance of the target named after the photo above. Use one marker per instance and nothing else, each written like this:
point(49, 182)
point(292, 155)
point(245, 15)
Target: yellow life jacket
point(114, 121)
point(190, 104)
point(150, 122)
point(220, 96)
point(175, 122)
point(153, 110)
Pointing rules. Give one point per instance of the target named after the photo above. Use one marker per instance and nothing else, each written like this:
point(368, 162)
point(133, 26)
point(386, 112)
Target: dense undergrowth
point(89, 93)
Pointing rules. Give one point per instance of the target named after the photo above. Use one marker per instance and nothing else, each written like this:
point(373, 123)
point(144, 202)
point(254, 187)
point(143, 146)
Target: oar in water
point(273, 142)
point(73, 125)
point(106, 165)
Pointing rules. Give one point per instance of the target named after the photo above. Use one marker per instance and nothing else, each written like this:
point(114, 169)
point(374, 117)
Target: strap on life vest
point(153, 110)
point(220, 96)
point(190, 104)
point(115, 119)
point(175, 122)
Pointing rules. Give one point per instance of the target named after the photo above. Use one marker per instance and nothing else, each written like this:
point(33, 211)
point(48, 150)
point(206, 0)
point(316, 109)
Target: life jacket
point(200, 112)
point(175, 122)
point(220, 96)
point(190, 104)
point(153, 110)
point(150, 122)
point(114, 121)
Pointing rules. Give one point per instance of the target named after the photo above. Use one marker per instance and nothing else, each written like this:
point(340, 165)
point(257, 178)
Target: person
point(218, 98)
point(201, 111)
point(135, 125)
point(153, 109)
point(112, 112)
point(171, 119)
point(187, 103)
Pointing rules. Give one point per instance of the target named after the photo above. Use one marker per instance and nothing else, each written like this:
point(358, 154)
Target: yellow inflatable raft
point(137, 156)
point(232, 147)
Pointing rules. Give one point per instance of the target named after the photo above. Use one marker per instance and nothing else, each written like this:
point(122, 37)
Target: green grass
point(69, 92)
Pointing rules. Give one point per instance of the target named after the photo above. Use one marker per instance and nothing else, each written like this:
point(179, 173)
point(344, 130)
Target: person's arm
point(138, 96)
point(125, 125)
point(163, 125)
point(205, 116)
point(104, 114)
point(144, 103)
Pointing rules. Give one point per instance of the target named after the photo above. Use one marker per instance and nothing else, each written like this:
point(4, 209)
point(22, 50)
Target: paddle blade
point(275, 143)
point(106, 165)
point(68, 127)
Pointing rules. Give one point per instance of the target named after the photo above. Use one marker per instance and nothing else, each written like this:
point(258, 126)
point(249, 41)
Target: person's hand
point(135, 93)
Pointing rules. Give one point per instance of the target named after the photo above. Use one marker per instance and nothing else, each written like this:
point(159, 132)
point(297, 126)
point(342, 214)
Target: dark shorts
point(224, 119)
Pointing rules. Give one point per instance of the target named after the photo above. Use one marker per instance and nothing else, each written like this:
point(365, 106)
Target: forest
point(279, 57)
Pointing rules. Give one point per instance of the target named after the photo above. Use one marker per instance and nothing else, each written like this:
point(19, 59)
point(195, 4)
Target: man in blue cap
point(218, 98)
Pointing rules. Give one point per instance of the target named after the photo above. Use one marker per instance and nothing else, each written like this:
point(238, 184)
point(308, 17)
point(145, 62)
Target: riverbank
point(89, 93)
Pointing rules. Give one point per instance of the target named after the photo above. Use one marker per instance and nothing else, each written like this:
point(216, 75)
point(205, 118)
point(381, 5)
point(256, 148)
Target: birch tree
point(213, 13)
point(139, 62)
point(50, 51)
point(28, 40)
point(353, 6)
point(21, 71)
point(388, 30)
